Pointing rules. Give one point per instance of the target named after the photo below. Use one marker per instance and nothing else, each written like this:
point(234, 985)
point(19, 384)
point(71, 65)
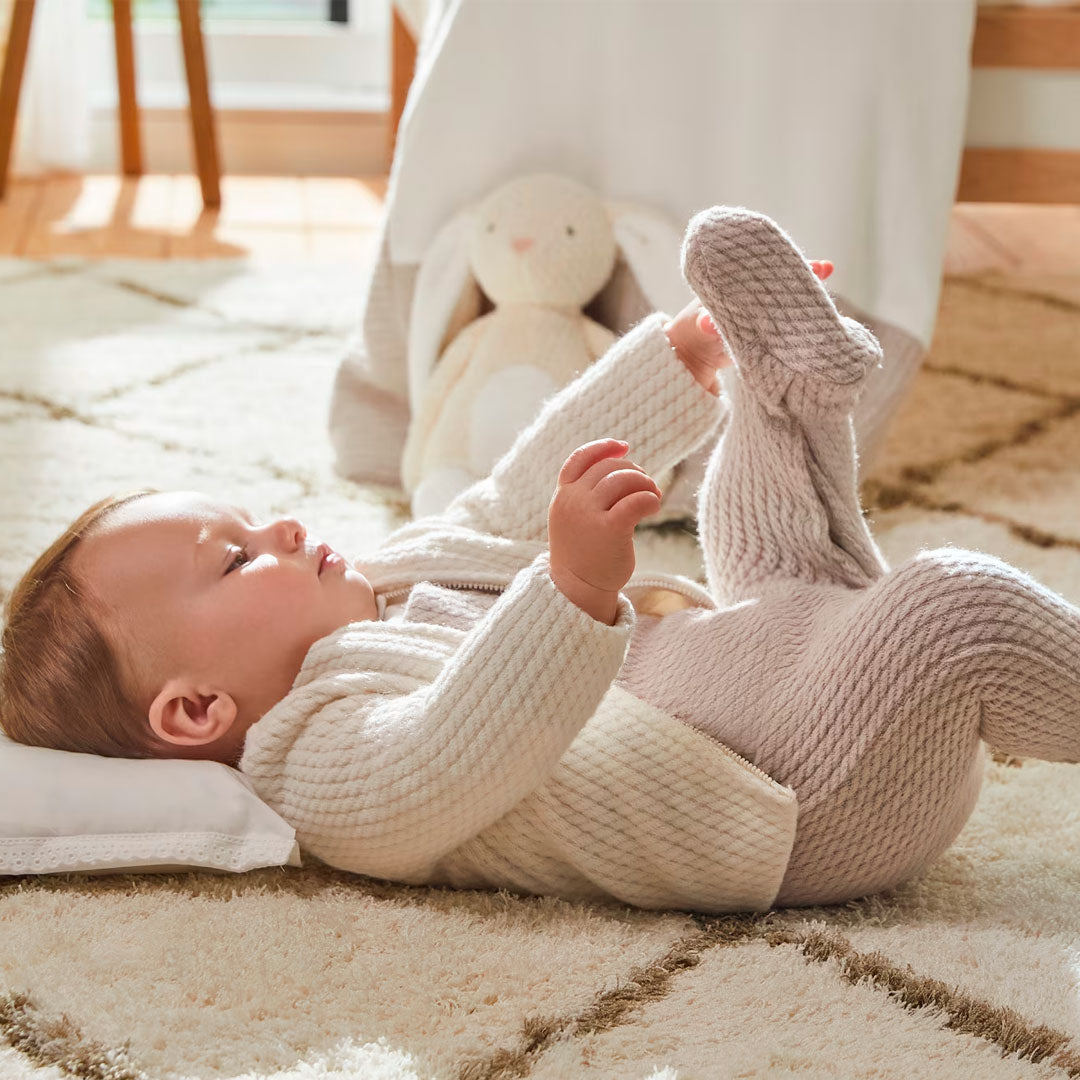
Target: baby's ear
point(186, 715)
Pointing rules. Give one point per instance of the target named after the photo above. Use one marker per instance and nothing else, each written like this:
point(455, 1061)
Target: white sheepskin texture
point(217, 376)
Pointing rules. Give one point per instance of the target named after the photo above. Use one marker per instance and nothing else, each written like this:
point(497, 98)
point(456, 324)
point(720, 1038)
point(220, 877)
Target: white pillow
point(61, 811)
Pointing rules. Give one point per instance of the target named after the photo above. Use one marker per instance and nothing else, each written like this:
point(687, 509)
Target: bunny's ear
point(647, 275)
point(446, 297)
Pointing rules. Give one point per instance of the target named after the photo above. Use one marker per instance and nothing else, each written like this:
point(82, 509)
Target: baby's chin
point(370, 607)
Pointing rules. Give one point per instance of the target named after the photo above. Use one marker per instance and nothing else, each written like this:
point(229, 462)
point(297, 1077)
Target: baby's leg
point(900, 685)
point(779, 499)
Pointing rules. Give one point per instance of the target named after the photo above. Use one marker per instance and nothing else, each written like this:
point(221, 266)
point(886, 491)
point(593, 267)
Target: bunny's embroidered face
point(542, 239)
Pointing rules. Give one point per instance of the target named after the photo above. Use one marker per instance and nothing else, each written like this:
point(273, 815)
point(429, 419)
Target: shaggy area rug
point(216, 376)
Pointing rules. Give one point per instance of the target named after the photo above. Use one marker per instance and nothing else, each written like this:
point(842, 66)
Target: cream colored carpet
point(216, 376)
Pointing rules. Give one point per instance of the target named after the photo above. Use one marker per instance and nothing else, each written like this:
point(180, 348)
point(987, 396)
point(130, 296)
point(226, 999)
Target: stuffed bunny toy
point(502, 294)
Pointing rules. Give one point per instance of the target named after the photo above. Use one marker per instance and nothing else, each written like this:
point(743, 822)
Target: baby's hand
point(697, 342)
point(599, 500)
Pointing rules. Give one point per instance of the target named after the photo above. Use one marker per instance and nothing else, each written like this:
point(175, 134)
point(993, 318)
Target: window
point(262, 54)
point(312, 10)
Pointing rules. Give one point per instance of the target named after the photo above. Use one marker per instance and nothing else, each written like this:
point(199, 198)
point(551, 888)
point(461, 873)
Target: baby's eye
point(241, 553)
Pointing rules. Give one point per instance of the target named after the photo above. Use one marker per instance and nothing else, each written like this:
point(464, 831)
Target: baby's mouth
point(328, 557)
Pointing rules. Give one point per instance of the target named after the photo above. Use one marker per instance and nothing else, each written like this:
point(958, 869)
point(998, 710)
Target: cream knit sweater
point(504, 756)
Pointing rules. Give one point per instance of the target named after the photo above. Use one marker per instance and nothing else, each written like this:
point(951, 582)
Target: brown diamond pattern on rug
point(172, 375)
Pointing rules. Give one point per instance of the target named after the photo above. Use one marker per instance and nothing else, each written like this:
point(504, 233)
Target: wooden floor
point(294, 219)
point(1003, 236)
point(270, 219)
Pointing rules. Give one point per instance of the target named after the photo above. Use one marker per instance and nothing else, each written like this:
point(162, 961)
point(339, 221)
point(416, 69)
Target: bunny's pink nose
point(522, 243)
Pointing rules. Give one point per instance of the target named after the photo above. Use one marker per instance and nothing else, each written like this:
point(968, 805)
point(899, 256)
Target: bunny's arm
point(598, 338)
point(444, 377)
point(639, 391)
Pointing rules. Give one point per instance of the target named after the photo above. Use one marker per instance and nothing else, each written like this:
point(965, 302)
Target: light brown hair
point(62, 683)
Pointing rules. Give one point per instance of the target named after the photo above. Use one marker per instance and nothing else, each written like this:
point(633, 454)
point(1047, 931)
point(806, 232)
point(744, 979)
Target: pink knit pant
point(868, 690)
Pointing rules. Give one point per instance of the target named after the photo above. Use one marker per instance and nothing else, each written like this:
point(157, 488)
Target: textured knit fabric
point(869, 691)
point(872, 704)
point(503, 755)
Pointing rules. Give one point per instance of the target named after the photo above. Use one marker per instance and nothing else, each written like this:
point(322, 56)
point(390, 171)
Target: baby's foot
point(766, 299)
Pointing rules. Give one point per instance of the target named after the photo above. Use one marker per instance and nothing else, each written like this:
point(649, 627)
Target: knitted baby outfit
point(407, 750)
point(501, 754)
point(865, 689)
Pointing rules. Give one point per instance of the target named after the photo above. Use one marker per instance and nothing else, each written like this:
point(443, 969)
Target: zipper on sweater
point(635, 583)
point(401, 590)
point(749, 764)
point(738, 757)
point(658, 583)
point(643, 583)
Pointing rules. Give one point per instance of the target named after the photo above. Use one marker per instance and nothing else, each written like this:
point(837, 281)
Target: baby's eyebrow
point(200, 540)
point(205, 532)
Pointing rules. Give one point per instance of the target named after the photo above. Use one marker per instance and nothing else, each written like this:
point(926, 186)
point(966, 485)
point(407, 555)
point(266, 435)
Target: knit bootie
point(775, 316)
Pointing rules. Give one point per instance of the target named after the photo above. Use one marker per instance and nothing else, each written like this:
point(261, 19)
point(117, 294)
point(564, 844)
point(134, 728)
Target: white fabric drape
point(841, 119)
point(53, 126)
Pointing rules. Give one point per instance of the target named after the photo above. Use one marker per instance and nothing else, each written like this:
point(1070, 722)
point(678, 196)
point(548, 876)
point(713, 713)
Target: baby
point(493, 699)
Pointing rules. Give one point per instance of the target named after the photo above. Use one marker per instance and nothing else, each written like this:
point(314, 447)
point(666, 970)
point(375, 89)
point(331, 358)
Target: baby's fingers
point(629, 510)
point(618, 485)
point(600, 470)
point(584, 457)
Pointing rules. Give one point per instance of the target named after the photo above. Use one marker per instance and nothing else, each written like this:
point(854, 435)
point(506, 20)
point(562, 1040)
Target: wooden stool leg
point(402, 67)
point(22, 15)
point(130, 145)
point(202, 116)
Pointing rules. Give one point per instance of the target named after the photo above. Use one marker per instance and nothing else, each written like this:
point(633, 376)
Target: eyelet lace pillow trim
point(129, 851)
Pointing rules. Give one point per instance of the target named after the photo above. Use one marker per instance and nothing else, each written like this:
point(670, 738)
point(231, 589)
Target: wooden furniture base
point(201, 111)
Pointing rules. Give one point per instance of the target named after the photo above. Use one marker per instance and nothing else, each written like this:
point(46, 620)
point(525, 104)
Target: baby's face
point(232, 603)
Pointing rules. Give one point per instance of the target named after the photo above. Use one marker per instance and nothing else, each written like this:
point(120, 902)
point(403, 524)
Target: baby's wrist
point(703, 373)
point(600, 604)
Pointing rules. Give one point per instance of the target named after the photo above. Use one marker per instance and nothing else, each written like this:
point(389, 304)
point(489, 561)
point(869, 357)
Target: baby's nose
point(522, 243)
point(293, 532)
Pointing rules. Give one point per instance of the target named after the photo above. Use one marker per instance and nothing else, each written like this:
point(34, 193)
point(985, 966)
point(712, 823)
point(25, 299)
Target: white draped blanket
point(842, 121)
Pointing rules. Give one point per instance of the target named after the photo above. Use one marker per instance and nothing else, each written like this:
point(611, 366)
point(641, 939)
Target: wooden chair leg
point(202, 116)
point(130, 144)
point(22, 15)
